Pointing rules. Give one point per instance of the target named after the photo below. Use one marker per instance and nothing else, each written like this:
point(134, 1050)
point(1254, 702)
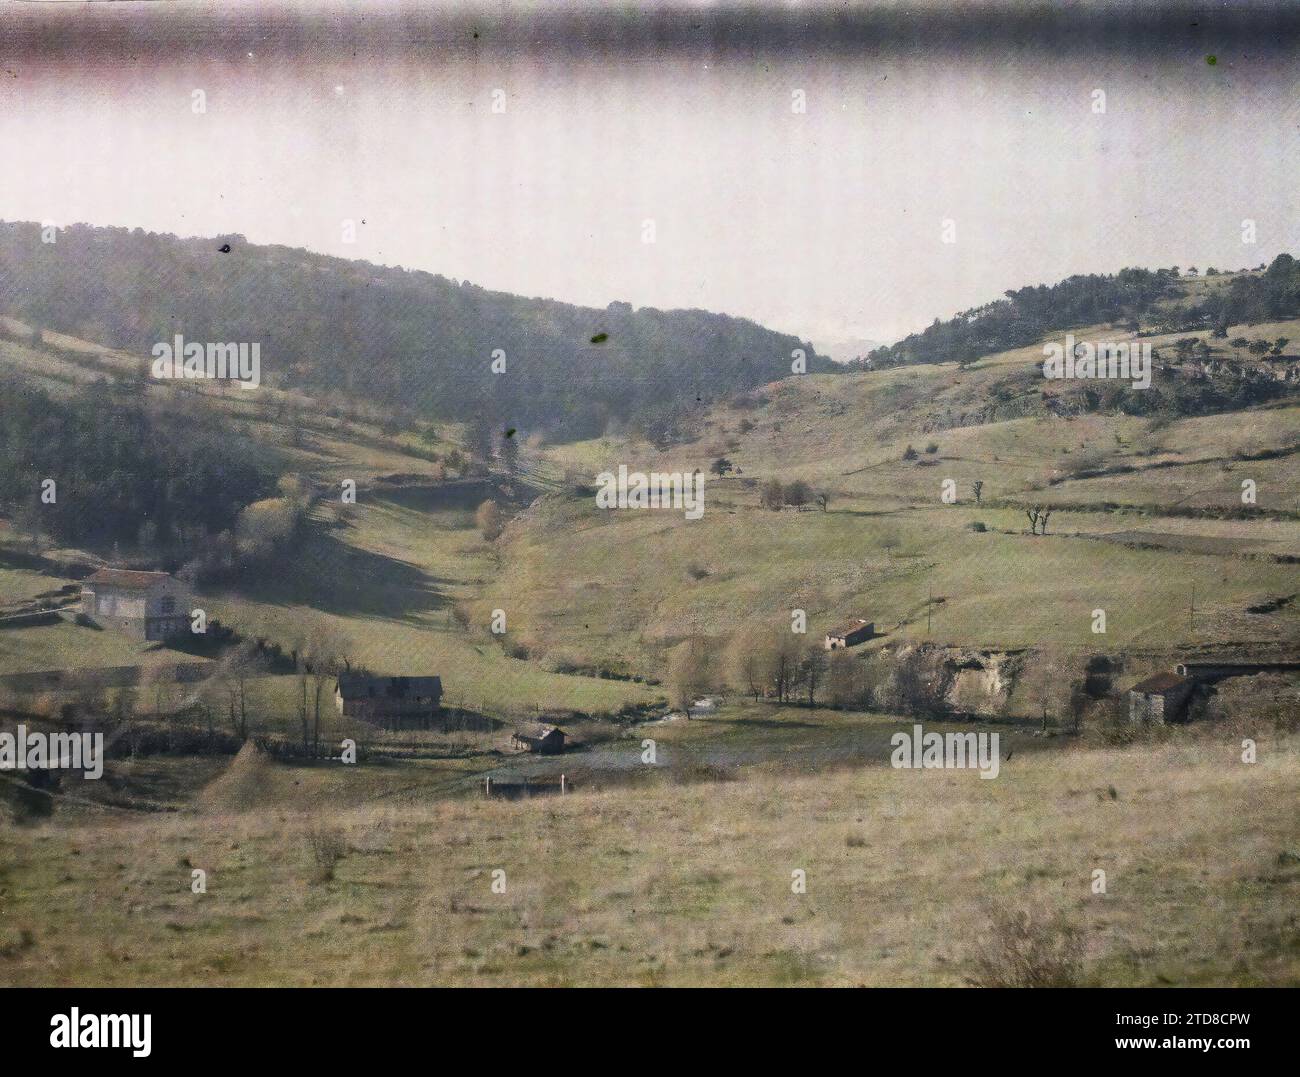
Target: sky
point(795, 165)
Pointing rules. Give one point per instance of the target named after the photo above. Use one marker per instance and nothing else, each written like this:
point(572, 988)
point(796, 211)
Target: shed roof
point(126, 579)
point(855, 625)
point(537, 731)
point(1159, 684)
point(363, 686)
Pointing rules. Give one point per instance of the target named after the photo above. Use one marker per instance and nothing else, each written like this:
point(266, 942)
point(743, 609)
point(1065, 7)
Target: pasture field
point(572, 573)
point(678, 884)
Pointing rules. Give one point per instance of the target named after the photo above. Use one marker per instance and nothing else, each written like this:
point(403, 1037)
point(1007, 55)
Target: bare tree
point(744, 661)
point(327, 651)
point(786, 663)
point(814, 667)
point(231, 678)
point(690, 671)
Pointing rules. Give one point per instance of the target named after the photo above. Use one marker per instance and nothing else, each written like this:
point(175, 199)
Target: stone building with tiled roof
point(146, 605)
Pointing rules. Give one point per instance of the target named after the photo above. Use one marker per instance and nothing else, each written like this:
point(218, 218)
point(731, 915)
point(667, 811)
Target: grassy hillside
point(1144, 508)
point(679, 884)
point(386, 580)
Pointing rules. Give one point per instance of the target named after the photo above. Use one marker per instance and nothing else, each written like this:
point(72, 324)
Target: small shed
point(849, 635)
point(1158, 699)
point(542, 739)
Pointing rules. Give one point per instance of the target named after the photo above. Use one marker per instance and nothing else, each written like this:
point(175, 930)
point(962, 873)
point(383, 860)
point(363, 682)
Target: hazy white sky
point(825, 223)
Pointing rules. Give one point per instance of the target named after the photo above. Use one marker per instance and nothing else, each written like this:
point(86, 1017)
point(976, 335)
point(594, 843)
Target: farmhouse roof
point(537, 730)
point(125, 579)
point(363, 686)
point(1159, 684)
point(855, 625)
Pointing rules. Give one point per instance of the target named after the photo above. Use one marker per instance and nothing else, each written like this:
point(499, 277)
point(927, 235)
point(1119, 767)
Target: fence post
point(561, 785)
point(487, 786)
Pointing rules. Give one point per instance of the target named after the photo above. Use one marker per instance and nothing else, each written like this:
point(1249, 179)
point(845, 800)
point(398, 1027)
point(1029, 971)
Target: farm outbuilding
point(1158, 699)
point(389, 701)
point(542, 739)
point(849, 635)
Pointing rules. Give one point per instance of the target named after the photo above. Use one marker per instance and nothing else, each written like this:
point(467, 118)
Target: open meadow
point(676, 883)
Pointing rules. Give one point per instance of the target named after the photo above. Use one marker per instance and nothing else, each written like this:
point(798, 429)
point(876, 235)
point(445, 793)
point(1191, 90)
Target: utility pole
point(929, 605)
point(1191, 610)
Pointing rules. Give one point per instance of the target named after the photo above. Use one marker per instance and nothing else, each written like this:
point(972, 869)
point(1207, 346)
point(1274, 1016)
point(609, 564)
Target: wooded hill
point(415, 342)
point(1163, 300)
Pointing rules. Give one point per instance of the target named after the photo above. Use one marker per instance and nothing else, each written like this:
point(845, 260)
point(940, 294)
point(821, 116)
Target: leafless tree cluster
point(1038, 517)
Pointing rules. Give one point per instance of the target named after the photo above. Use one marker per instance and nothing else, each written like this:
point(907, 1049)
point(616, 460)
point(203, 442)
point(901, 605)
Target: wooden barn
point(388, 701)
point(542, 739)
point(850, 635)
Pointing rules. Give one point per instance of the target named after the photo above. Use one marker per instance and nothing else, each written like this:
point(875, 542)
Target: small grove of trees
point(121, 459)
point(320, 655)
point(771, 662)
point(762, 661)
point(915, 682)
point(797, 493)
point(1259, 346)
point(776, 495)
point(262, 530)
point(228, 689)
point(1054, 689)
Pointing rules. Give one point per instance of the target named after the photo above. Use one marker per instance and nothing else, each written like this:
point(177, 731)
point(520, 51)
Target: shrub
point(977, 525)
point(773, 495)
point(1024, 951)
point(798, 493)
point(490, 520)
point(327, 849)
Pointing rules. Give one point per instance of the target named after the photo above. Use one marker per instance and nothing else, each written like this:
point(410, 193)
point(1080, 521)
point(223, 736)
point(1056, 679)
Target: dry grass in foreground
point(908, 876)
